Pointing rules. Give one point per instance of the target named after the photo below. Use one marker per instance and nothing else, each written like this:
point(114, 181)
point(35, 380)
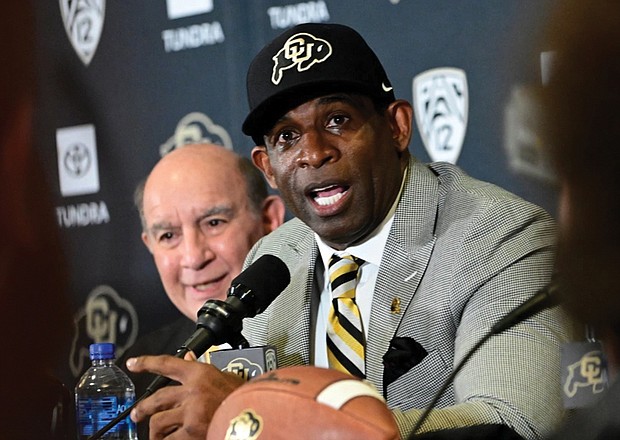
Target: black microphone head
point(261, 282)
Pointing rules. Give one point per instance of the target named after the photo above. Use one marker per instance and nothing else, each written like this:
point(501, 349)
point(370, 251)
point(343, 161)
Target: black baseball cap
point(307, 61)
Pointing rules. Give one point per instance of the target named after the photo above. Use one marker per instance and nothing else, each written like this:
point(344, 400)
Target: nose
point(316, 150)
point(196, 250)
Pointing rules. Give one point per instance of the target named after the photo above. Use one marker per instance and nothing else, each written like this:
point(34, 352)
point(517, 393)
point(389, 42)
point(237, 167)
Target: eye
point(165, 236)
point(284, 138)
point(214, 222)
point(214, 225)
point(336, 121)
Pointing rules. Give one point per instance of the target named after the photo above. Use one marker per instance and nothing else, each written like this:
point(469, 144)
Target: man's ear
point(261, 160)
point(400, 115)
point(273, 213)
point(146, 241)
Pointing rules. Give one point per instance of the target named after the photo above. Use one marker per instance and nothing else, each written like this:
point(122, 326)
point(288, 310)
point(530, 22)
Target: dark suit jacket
point(165, 340)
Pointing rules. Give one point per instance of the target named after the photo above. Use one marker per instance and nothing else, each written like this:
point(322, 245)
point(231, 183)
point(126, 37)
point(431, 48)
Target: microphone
point(544, 298)
point(250, 293)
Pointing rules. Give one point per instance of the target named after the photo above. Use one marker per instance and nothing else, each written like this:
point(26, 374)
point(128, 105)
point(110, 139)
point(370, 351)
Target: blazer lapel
point(291, 328)
point(405, 259)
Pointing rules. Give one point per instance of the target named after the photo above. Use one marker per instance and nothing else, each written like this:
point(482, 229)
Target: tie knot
point(339, 260)
point(343, 275)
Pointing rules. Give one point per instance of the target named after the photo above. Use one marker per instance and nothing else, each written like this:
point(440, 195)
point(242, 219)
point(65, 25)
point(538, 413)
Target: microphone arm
point(544, 298)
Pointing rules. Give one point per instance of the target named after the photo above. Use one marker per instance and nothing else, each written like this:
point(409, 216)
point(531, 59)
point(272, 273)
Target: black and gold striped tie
point(345, 333)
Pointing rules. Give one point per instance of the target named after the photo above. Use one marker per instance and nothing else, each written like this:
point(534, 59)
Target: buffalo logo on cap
point(301, 50)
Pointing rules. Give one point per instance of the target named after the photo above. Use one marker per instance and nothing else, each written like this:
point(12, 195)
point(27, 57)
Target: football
point(304, 402)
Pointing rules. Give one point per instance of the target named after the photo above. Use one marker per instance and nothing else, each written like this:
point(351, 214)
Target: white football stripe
point(339, 393)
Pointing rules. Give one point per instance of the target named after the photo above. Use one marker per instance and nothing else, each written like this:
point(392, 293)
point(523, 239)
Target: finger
point(164, 399)
point(163, 425)
point(190, 356)
point(173, 424)
point(164, 365)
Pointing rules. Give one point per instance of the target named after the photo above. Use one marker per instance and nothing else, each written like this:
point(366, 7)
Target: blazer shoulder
point(291, 239)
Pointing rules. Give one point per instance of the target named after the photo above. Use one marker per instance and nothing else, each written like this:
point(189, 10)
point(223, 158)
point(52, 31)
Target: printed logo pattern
point(246, 426)
point(244, 367)
point(302, 51)
point(195, 128)
point(78, 167)
point(105, 317)
point(441, 102)
point(83, 21)
point(585, 373)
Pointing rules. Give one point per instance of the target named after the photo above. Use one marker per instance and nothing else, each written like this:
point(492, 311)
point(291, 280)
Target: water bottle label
point(94, 414)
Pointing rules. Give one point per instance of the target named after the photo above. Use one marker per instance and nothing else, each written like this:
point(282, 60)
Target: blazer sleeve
point(503, 256)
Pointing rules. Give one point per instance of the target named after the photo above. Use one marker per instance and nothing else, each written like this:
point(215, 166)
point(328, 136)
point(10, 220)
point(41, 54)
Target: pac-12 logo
point(83, 20)
point(440, 100)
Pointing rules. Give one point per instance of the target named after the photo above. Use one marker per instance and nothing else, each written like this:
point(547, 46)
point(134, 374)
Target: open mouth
point(205, 286)
point(201, 287)
point(328, 195)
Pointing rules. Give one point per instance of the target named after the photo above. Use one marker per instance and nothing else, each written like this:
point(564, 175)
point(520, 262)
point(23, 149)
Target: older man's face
point(199, 227)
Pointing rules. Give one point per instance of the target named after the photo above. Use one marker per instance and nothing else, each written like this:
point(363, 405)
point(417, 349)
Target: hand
point(183, 411)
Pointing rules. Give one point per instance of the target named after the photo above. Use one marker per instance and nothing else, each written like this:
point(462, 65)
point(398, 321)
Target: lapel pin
point(395, 306)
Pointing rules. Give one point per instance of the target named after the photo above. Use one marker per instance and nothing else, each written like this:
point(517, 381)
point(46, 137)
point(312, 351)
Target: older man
point(202, 208)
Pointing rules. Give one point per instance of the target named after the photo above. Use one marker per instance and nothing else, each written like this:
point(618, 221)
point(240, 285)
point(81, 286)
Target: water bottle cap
point(102, 350)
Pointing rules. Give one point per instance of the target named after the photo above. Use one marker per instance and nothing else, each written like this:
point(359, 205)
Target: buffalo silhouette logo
point(302, 51)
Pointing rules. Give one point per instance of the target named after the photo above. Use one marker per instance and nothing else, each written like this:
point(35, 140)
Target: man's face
point(200, 227)
point(337, 163)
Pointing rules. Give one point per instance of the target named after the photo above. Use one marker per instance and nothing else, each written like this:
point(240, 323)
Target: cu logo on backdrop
point(196, 128)
point(105, 317)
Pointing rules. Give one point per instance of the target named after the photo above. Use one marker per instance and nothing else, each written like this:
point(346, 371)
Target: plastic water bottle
point(102, 393)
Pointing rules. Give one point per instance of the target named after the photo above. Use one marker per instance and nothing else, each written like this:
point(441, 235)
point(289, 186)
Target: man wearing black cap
point(437, 257)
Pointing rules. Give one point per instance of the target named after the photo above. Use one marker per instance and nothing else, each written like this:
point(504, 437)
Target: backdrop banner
point(123, 82)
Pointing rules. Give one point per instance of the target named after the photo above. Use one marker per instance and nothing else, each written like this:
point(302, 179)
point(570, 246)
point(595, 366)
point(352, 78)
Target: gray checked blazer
point(460, 255)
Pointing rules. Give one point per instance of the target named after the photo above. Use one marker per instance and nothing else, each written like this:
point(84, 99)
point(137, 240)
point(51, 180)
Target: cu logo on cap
point(77, 160)
point(302, 51)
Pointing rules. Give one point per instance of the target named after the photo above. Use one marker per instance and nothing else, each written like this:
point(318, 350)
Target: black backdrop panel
point(166, 72)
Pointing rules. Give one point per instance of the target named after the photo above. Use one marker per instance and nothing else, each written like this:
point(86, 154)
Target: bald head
point(206, 158)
